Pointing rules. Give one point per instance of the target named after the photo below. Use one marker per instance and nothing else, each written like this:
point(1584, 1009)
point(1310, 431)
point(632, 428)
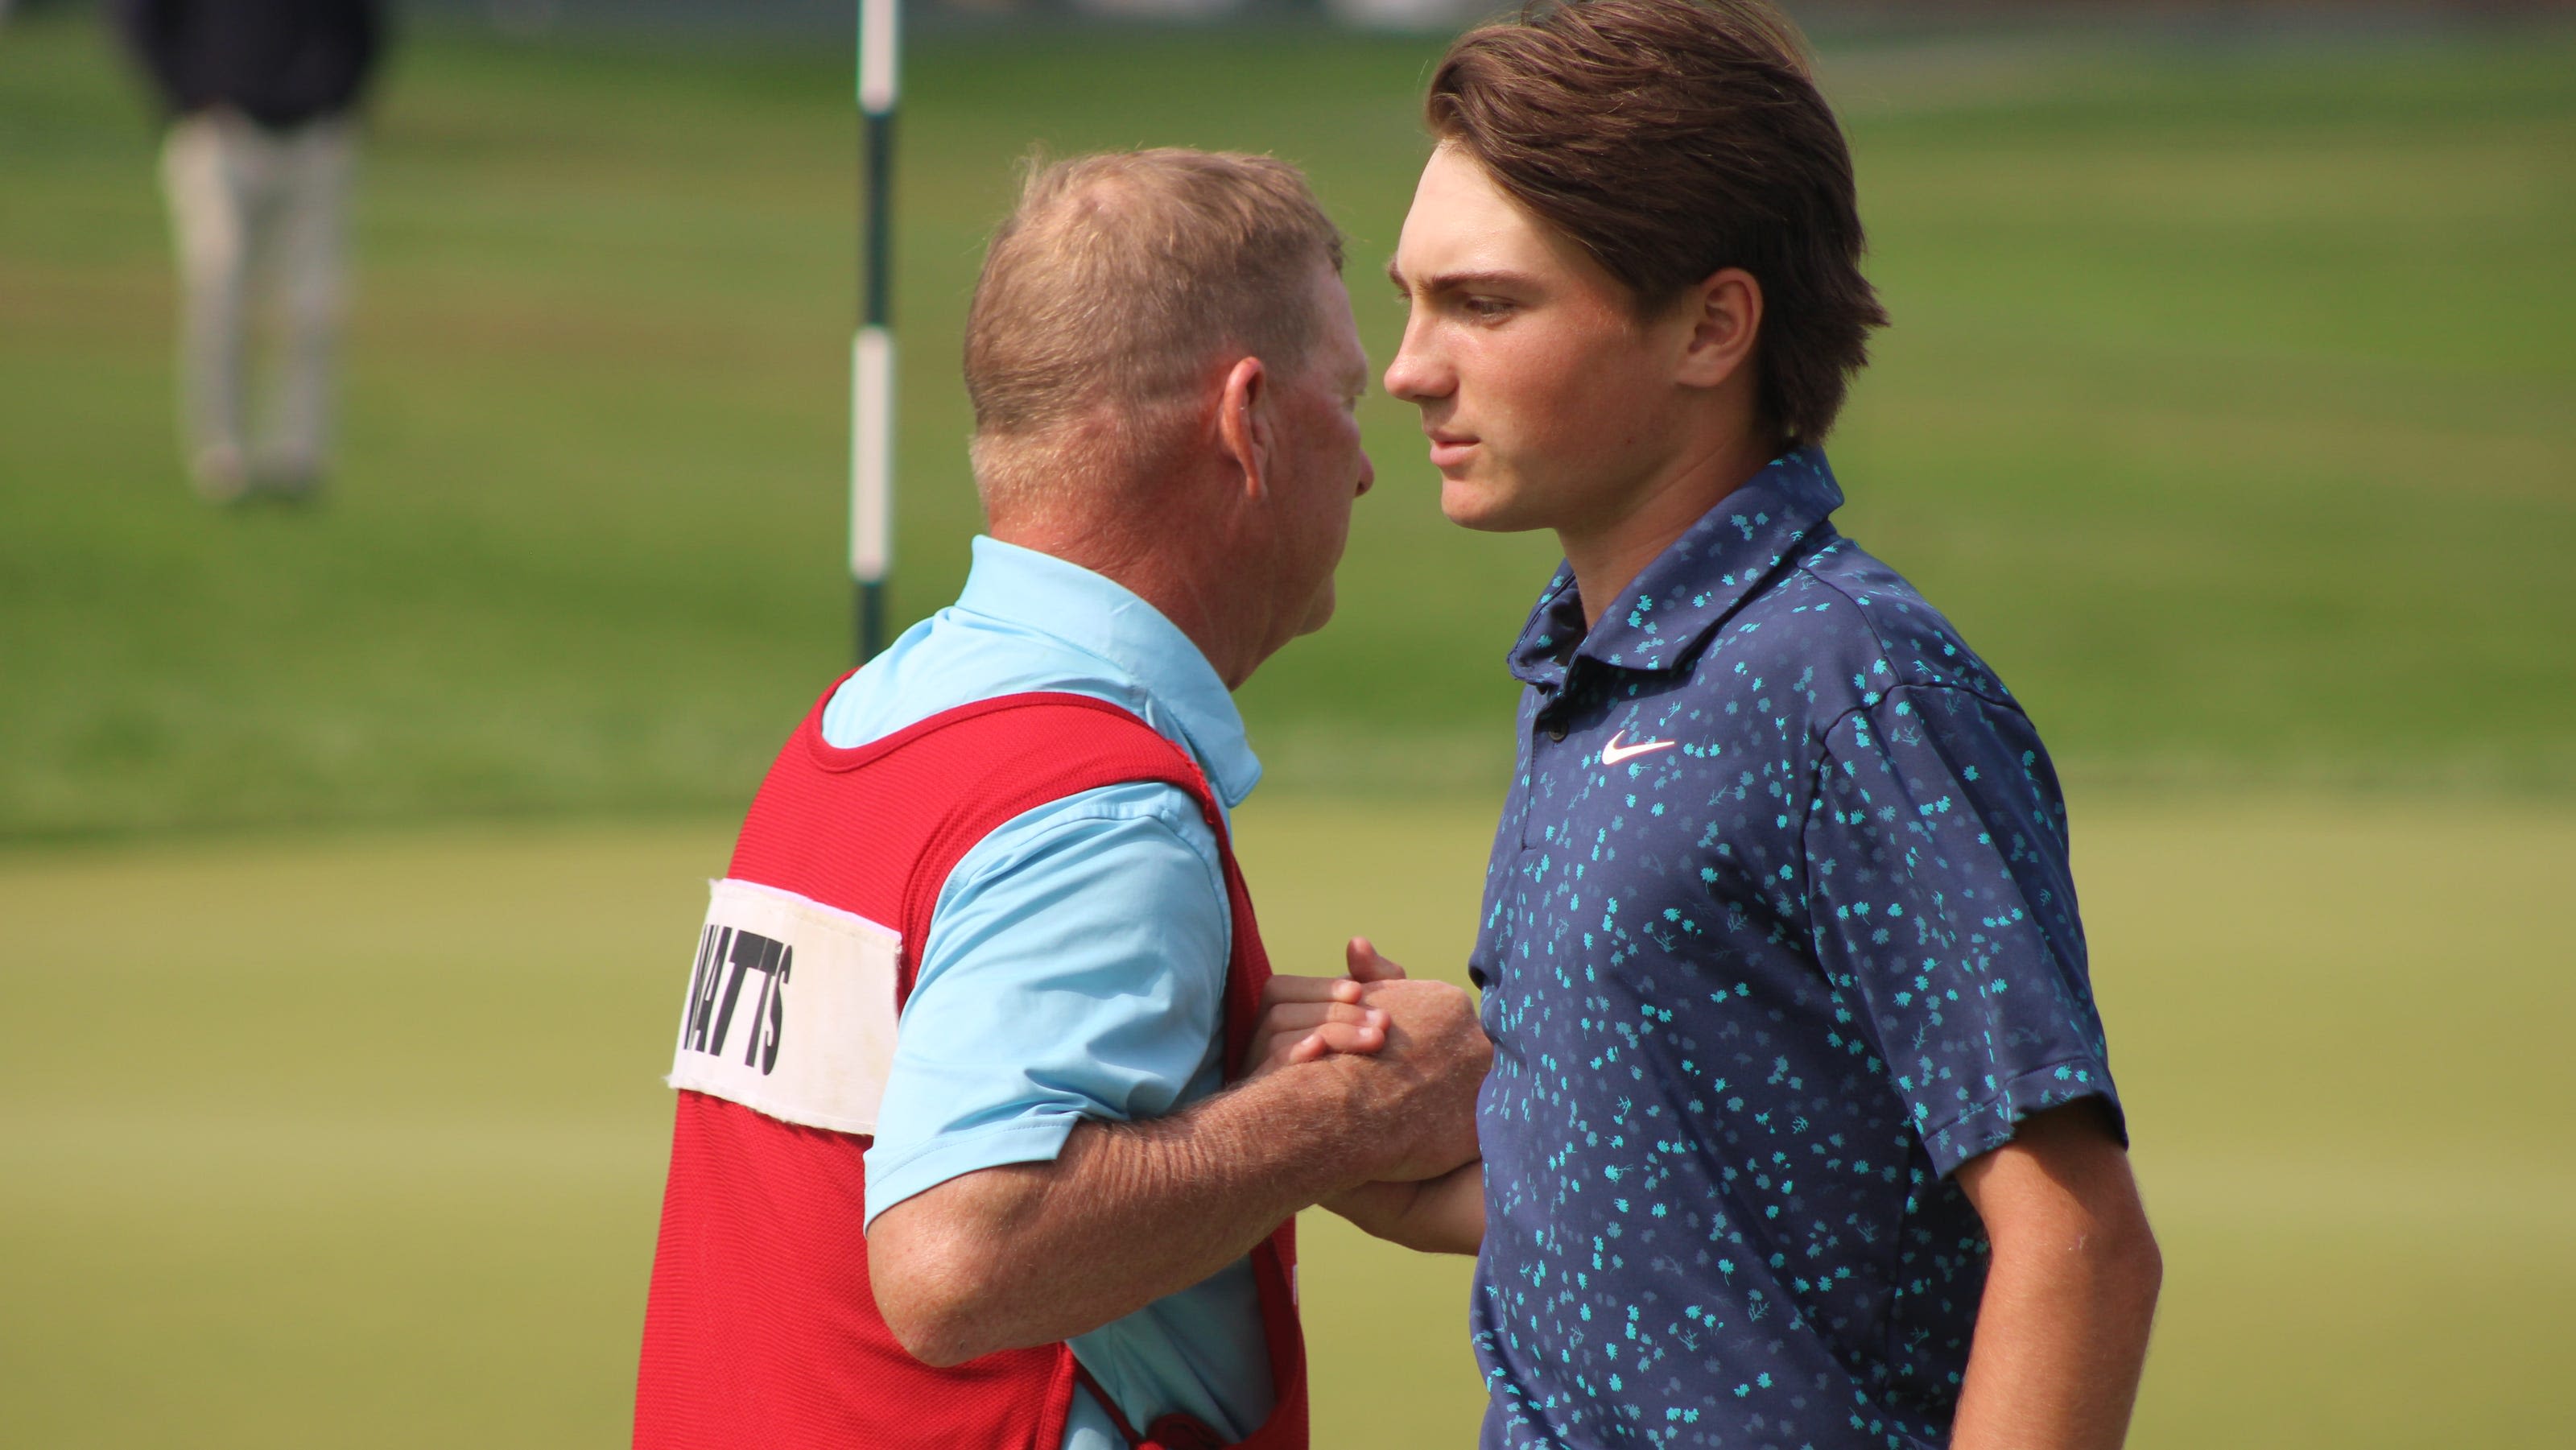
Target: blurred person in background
point(262, 98)
point(1800, 1129)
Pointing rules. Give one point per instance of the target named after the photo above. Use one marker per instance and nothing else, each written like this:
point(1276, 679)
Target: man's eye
point(1486, 309)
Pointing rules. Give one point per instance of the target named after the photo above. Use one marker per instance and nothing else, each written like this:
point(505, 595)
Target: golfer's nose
point(1415, 375)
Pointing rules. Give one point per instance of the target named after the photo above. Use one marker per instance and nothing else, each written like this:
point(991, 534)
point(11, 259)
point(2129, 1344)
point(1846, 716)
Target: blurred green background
point(354, 851)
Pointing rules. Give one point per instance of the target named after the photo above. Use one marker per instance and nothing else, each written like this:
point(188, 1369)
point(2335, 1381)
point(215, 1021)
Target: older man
point(982, 966)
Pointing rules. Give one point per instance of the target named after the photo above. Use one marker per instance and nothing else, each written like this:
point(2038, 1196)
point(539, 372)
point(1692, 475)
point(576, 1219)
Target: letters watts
point(733, 1020)
point(727, 956)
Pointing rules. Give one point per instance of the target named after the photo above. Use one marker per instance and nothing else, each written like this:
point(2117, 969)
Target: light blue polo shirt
point(1076, 961)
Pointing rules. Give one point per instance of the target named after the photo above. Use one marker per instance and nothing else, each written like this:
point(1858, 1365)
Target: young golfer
point(1800, 1130)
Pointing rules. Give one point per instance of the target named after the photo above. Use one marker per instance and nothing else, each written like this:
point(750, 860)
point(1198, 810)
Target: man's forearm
point(1127, 1213)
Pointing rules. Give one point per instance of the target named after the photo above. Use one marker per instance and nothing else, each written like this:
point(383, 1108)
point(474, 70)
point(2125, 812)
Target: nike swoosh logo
point(1614, 752)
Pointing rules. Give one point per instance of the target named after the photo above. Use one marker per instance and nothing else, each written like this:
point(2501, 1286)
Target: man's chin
point(1318, 616)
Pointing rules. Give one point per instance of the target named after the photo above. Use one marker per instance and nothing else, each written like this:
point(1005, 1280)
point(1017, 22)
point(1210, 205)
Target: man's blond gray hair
point(1116, 284)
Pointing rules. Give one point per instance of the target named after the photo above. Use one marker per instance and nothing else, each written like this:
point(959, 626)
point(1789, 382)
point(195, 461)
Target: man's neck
point(1608, 553)
point(1162, 574)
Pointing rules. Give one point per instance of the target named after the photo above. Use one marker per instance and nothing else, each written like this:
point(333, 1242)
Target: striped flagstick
point(872, 352)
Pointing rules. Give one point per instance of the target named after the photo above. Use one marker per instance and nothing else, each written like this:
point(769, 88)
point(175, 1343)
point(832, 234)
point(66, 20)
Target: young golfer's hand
point(1361, 955)
point(1444, 1215)
point(1304, 1018)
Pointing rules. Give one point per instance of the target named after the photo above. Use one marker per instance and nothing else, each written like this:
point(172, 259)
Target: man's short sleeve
point(1941, 901)
point(1075, 968)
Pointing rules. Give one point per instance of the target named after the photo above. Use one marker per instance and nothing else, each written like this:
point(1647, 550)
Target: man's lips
point(1448, 449)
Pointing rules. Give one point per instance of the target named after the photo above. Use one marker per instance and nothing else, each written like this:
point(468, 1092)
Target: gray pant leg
point(202, 172)
point(306, 255)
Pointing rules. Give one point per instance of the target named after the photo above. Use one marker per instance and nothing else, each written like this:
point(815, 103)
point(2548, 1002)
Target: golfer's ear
point(1726, 318)
point(1243, 426)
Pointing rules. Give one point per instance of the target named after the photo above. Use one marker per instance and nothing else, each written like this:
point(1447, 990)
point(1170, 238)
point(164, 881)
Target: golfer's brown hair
point(1671, 139)
point(1114, 288)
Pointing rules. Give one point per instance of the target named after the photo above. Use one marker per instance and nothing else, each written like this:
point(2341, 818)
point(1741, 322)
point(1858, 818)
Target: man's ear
point(1725, 316)
point(1243, 424)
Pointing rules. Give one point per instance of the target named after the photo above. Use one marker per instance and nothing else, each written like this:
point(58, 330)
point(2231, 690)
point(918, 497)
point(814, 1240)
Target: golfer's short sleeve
point(1942, 906)
point(1074, 968)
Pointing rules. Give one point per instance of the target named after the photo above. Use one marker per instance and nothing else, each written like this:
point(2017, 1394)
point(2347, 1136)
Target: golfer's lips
point(1448, 449)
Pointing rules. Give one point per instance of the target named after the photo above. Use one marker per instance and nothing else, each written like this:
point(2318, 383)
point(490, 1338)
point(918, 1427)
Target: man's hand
point(1420, 1089)
point(1029, 1253)
point(1414, 1053)
point(1428, 1053)
point(1308, 1018)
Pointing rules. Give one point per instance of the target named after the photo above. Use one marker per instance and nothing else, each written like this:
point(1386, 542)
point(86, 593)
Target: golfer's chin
point(1471, 502)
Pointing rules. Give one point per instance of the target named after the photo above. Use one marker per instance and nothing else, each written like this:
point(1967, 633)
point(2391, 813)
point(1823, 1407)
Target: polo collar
point(1675, 602)
point(1182, 694)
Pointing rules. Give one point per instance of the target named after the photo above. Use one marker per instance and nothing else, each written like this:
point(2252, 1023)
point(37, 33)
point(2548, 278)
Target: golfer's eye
point(1486, 309)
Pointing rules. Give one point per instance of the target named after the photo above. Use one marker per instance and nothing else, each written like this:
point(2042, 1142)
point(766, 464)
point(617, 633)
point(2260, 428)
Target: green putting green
point(359, 1141)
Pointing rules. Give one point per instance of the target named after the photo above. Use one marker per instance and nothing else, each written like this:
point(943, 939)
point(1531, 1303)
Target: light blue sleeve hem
point(1037, 1138)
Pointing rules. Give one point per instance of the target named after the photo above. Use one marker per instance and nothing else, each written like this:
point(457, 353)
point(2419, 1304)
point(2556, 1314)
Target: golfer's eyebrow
point(1440, 282)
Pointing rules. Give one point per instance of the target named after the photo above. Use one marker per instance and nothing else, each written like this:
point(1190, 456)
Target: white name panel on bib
point(790, 1010)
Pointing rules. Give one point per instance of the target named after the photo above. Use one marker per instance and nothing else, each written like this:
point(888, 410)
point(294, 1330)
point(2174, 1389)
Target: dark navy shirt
point(1778, 932)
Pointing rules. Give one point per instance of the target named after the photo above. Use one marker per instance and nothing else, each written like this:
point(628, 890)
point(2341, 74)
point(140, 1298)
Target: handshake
point(1410, 1057)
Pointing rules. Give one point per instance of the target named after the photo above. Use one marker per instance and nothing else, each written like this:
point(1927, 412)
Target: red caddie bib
point(761, 1331)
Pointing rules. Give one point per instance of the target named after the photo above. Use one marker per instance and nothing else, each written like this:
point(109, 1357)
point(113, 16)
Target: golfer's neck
point(1609, 551)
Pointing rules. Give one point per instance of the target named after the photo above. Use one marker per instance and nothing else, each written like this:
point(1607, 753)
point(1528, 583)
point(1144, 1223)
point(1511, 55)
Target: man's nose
point(1368, 474)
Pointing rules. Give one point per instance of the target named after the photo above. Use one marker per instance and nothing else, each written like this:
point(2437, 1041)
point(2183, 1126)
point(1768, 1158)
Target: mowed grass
point(359, 1142)
point(2225, 410)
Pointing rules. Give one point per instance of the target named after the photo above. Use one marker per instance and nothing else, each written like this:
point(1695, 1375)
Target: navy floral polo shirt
point(1778, 932)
